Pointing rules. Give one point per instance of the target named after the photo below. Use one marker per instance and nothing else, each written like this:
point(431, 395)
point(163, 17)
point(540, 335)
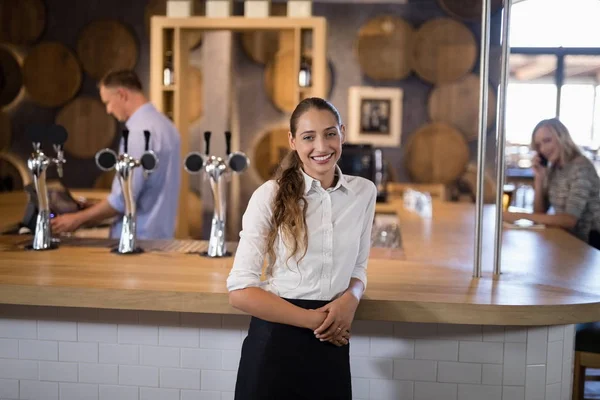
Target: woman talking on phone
point(313, 224)
point(565, 180)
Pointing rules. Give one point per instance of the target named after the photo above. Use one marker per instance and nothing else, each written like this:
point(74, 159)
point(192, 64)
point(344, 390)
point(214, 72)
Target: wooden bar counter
point(549, 277)
point(422, 310)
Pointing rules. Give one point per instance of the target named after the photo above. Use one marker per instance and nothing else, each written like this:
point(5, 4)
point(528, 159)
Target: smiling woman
point(313, 283)
point(564, 180)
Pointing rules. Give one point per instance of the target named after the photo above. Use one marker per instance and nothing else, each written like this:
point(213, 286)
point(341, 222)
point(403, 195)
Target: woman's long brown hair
point(289, 206)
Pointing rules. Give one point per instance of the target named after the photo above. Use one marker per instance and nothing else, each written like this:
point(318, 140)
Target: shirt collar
point(309, 181)
point(138, 115)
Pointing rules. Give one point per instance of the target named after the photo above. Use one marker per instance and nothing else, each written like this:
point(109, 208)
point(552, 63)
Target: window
point(554, 68)
point(555, 23)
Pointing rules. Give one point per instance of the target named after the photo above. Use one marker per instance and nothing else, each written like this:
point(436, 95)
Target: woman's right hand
point(538, 169)
point(315, 319)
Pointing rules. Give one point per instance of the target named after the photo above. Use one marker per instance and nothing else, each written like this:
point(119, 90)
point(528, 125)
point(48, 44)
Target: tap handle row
point(56, 135)
point(207, 143)
point(125, 137)
point(194, 162)
point(146, 140)
point(106, 159)
point(227, 142)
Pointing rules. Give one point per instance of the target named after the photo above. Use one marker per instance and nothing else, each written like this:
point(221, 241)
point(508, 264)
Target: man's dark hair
point(121, 78)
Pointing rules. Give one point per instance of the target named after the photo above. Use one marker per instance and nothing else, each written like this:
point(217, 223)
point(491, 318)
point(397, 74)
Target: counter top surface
point(549, 276)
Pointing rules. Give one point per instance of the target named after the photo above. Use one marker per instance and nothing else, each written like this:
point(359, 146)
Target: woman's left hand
point(340, 314)
point(511, 217)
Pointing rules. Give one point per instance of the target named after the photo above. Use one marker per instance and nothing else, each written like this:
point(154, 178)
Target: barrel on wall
point(51, 74)
point(90, 127)
point(11, 75)
point(383, 48)
point(22, 22)
point(104, 45)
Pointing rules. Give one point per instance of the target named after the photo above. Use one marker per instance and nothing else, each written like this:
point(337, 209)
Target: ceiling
point(531, 67)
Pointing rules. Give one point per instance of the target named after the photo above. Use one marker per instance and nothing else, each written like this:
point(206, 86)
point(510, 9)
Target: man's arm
point(72, 221)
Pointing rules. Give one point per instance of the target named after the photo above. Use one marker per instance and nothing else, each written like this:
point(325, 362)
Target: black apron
point(284, 362)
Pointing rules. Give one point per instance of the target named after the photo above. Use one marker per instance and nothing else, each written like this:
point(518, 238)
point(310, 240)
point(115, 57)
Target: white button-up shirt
point(339, 222)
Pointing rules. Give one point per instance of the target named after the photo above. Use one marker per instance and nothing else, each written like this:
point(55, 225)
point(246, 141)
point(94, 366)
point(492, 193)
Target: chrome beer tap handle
point(38, 164)
point(59, 137)
point(215, 169)
point(124, 164)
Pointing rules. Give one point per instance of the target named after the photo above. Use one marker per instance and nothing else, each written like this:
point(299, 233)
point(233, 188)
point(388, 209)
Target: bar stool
point(587, 355)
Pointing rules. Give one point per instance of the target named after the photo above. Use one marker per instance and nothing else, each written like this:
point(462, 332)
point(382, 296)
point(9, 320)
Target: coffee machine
point(366, 161)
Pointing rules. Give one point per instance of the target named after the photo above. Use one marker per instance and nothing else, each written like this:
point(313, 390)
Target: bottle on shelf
point(305, 74)
point(168, 78)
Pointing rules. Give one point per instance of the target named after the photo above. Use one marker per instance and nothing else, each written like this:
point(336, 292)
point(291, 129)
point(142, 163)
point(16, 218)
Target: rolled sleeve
point(579, 193)
point(360, 268)
point(250, 254)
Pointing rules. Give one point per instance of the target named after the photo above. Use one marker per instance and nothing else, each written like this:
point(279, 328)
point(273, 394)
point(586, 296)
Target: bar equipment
point(366, 161)
point(38, 164)
point(125, 164)
point(217, 170)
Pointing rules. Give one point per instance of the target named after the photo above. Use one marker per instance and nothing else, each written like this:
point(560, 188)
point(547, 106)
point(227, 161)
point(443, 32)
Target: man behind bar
point(157, 196)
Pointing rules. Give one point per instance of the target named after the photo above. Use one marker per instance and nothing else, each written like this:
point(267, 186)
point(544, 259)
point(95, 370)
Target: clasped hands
point(335, 328)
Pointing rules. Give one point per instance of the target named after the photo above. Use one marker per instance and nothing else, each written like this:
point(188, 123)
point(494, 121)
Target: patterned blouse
point(574, 189)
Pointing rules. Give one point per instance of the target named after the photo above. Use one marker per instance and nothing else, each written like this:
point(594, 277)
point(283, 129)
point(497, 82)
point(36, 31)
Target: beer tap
point(216, 169)
point(124, 164)
point(38, 164)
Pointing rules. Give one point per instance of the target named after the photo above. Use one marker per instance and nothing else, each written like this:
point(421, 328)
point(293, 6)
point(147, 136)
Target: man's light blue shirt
point(157, 196)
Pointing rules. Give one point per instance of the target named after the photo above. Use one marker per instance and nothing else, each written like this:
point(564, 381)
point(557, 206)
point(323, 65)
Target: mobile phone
point(543, 161)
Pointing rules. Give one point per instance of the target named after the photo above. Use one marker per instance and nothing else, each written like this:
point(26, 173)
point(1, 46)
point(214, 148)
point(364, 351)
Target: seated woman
point(567, 181)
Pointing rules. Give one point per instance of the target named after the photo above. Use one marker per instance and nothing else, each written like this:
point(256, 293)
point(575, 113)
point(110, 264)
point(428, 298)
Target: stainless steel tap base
point(217, 246)
point(42, 239)
point(127, 243)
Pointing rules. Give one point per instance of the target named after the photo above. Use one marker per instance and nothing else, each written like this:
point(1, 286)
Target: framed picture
point(375, 116)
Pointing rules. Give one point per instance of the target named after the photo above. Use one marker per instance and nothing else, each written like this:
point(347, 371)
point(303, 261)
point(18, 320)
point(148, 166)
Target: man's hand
point(65, 223)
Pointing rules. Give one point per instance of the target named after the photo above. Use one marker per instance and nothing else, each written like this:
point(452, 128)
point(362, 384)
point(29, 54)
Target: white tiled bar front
point(51, 353)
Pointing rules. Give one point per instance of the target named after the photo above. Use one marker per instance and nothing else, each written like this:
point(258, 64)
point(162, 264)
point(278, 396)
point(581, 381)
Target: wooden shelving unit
point(171, 34)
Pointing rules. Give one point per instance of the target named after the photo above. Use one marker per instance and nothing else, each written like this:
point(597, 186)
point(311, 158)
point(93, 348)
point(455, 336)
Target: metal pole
point(560, 80)
point(483, 104)
point(501, 137)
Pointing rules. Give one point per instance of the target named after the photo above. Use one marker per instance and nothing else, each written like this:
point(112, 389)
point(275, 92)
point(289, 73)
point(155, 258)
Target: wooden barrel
point(11, 76)
point(280, 80)
point(269, 150)
point(51, 74)
point(22, 21)
point(457, 104)
point(437, 153)
point(469, 10)
point(194, 88)
point(159, 7)
point(469, 179)
point(383, 48)
point(5, 131)
point(261, 45)
point(90, 128)
point(104, 45)
point(443, 51)
point(105, 180)
point(14, 174)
